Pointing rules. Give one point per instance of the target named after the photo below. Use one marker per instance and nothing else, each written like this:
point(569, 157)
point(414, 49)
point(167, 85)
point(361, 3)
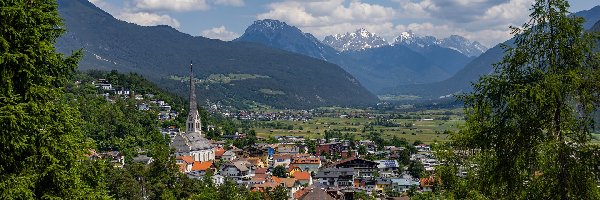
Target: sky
point(485, 21)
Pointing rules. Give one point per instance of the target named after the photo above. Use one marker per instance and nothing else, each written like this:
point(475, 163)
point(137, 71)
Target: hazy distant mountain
point(233, 72)
point(591, 16)
point(376, 68)
point(454, 42)
point(461, 81)
point(387, 66)
point(278, 34)
point(361, 39)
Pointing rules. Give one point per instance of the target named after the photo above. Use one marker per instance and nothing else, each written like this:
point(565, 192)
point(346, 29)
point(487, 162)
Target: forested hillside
point(114, 123)
point(159, 52)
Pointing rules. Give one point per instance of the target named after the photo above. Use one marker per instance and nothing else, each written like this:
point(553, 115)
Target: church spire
point(193, 121)
point(193, 103)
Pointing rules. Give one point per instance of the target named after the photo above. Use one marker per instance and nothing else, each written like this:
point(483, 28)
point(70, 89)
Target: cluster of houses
point(145, 101)
point(254, 167)
point(332, 170)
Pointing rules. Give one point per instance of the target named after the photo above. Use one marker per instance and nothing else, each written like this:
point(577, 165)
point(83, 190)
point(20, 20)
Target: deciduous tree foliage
point(528, 123)
point(41, 144)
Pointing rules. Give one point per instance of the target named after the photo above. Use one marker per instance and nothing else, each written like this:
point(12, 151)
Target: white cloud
point(237, 3)
point(220, 33)
point(486, 21)
point(323, 18)
point(480, 20)
point(148, 19)
point(170, 5)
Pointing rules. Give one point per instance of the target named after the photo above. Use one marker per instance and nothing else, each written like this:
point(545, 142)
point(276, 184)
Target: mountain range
point(454, 42)
point(482, 65)
point(276, 64)
point(356, 41)
point(368, 57)
point(230, 72)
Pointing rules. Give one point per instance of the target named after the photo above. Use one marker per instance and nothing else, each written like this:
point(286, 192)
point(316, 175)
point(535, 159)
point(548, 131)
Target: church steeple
point(193, 120)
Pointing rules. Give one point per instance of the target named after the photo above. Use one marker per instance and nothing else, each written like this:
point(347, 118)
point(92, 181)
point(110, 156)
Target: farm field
point(427, 126)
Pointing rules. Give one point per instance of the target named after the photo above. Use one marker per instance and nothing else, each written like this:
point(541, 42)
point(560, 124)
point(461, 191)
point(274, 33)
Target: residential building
point(362, 167)
point(339, 177)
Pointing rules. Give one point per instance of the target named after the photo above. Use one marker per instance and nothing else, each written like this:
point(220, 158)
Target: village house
point(292, 185)
point(303, 178)
point(403, 184)
point(228, 156)
point(144, 159)
point(307, 164)
point(238, 170)
point(219, 151)
point(362, 168)
point(328, 148)
point(185, 163)
point(199, 169)
point(338, 177)
point(282, 159)
point(387, 168)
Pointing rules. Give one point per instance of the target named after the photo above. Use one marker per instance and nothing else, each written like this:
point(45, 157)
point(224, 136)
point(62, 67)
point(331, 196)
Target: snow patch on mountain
point(454, 42)
point(359, 40)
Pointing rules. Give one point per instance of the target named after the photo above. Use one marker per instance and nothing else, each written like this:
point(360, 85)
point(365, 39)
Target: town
point(319, 168)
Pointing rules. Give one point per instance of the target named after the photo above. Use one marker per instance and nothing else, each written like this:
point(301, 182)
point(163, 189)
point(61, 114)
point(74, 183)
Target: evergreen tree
point(280, 171)
point(529, 122)
point(41, 143)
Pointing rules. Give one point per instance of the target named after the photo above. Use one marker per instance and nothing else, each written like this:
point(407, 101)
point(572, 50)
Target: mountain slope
point(279, 35)
point(591, 16)
point(232, 71)
point(387, 66)
point(461, 81)
point(375, 67)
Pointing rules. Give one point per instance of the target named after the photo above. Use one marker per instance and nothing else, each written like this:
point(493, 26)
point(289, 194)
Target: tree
point(279, 171)
point(362, 150)
point(528, 123)
point(278, 193)
point(416, 169)
point(42, 144)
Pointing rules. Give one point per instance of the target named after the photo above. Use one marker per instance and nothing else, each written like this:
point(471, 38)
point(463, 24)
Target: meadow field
point(427, 125)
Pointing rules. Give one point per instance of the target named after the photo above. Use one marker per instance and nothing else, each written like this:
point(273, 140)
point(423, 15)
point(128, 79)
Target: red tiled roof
point(261, 171)
point(187, 159)
point(302, 176)
point(260, 176)
point(282, 156)
point(201, 166)
point(219, 152)
point(300, 193)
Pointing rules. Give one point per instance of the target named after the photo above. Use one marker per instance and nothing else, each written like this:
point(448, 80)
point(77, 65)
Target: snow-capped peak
point(455, 42)
point(409, 38)
point(358, 40)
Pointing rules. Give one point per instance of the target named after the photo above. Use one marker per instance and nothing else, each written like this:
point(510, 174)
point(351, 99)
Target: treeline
point(117, 125)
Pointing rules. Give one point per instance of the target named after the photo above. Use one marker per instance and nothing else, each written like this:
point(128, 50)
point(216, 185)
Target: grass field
point(427, 126)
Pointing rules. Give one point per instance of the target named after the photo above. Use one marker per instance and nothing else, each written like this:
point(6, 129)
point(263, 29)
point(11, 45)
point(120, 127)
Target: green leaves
point(528, 123)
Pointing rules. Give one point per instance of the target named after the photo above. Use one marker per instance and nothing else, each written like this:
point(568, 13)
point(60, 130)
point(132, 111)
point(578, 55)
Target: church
point(191, 142)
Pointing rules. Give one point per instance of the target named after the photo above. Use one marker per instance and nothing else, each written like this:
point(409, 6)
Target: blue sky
point(486, 21)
